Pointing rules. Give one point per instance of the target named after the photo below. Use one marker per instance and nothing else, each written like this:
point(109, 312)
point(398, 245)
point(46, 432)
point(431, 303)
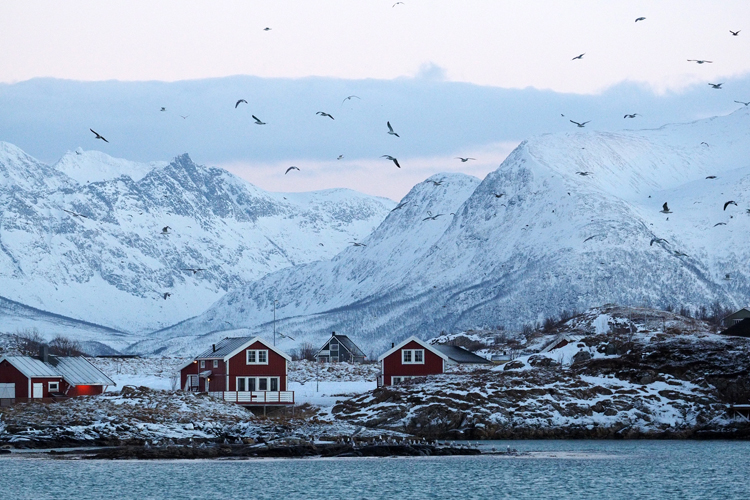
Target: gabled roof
point(460, 355)
point(31, 367)
point(420, 342)
point(78, 371)
point(346, 342)
point(230, 346)
point(741, 312)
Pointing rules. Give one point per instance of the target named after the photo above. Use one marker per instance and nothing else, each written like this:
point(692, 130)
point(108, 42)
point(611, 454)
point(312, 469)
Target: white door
point(38, 390)
point(7, 391)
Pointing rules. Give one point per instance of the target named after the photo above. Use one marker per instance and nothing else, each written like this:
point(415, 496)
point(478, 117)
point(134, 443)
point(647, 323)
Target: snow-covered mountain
point(568, 221)
point(91, 240)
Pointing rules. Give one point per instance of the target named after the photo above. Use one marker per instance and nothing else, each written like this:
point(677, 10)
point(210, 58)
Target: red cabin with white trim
point(245, 370)
point(412, 358)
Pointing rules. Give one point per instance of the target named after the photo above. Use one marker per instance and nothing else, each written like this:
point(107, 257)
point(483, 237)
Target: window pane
point(274, 384)
point(418, 356)
point(262, 384)
point(407, 356)
point(240, 384)
point(262, 356)
point(251, 384)
point(250, 356)
point(216, 363)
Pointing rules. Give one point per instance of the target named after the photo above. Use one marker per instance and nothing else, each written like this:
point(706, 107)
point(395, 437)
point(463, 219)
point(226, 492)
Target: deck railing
point(255, 397)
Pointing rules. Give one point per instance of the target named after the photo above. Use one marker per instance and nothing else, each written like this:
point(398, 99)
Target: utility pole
point(274, 322)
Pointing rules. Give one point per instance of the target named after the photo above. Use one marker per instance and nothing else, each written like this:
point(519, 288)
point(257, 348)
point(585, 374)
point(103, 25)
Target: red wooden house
point(414, 358)
point(23, 378)
point(245, 370)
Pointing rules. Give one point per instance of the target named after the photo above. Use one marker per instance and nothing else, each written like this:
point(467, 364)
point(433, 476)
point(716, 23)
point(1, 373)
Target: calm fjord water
point(556, 469)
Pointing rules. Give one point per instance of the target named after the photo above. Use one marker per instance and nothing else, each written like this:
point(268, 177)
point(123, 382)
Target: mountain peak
point(95, 166)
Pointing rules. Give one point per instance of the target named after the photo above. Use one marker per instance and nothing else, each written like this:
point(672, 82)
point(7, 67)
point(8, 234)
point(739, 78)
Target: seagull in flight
point(399, 206)
point(321, 113)
point(580, 125)
point(704, 142)
point(735, 33)
point(464, 160)
point(743, 103)
point(711, 177)
point(499, 195)
point(238, 103)
point(431, 217)
point(397, 3)
point(716, 85)
point(74, 214)
point(357, 244)
point(194, 270)
point(348, 98)
point(436, 183)
point(631, 116)
point(584, 173)
point(665, 209)
point(165, 230)
point(257, 120)
point(266, 29)
point(699, 61)
point(339, 157)
point(184, 117)
point(640, 19)
point(98, 136)
point(720, 224)
point(730, 202)
point(394, 160)
point(390, 130)
point(657, 240)
point(291, 168)
point(578, 56)
point(163, 108)
point(166, 295)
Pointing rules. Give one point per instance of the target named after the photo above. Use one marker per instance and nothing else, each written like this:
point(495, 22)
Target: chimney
point(44, 353)
point(393, 344)
point(333, 333)
point(214, 347)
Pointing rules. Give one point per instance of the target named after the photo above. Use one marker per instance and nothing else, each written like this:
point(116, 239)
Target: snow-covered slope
point(98, 251)
point(566, 222)
point(93, 166)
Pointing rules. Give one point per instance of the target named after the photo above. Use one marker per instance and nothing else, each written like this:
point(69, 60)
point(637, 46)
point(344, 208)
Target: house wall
point(10, 375)
point(84, 390)
point(238, 367)
point(392, 365)
point(45, 382)
point(736, 317)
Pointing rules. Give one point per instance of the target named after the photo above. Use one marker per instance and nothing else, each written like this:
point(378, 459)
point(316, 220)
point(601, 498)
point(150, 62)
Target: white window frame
point(203, 363)
point(257, 354)
point(269, 382)
point(216, 363)
point(400, 379)
point(412, 354)
point(56, 386)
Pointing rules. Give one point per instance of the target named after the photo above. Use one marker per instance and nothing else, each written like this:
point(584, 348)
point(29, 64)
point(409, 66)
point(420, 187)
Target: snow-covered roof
point(32, 367)
point(230, 346)
point(460, 355)
point(420, 342)
point(78, 371)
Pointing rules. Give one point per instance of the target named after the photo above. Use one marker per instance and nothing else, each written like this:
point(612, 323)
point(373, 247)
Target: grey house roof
point(32, 367)
point(346, 342)
point(78, 371)
point(229, 346)
point(460, 355)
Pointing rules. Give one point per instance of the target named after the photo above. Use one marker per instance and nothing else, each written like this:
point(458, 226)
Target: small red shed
point(24, 377)
point(414, 358)
point(246, 370)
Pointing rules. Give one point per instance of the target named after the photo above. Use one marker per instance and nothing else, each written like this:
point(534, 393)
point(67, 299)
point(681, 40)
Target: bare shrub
point(28, 341)
point(63, 346)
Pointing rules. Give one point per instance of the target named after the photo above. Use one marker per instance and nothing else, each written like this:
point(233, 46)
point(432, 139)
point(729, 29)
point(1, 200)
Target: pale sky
point(508, 45)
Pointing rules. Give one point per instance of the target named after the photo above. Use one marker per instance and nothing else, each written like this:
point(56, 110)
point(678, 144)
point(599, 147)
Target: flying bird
point(357, 244)
point(665, 208)
point(266, 29)
point(291, 168)
point(238, 103)
point(390, 130)
point(194, 270)
point(735, 33)
point(74, 214)
point(730, 202)
point(431, 217)
point(348, 98)
point(163, 108)
point(98, 136)
point(720, 224)
point(640, 19)
point(339, 157)
point(727, 276)
point(167, 295)
point(631, 116)
point(580, 125)
point(699, 61)
point(680, 254)
point(716, 85)
point(464, 160)
point(394, 160)
point(499, 195)
point(436, 183)
point(321, 113)
point(743, 103)
point(184, 117)
point(584, 173)
point(257, 120)
point(400, 205)
point(705, 144)
point(165, 230)
point(657, 240)
point(397, 3)
point(711, 177)
point(578, 57)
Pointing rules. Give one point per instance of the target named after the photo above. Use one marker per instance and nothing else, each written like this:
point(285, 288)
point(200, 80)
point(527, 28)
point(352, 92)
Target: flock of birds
point(390, 131)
